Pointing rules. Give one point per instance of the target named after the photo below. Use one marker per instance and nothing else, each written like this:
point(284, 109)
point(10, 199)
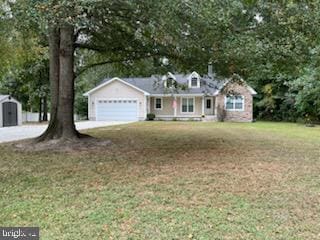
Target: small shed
point(10, 111)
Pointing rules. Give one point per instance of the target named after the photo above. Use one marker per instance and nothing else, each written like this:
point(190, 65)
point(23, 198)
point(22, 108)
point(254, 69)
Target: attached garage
point(117, 110)
point(117, 100)
point(10, 111)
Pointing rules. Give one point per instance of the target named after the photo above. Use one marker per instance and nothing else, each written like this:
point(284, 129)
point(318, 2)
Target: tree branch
point(89, 47)
point(81, 71)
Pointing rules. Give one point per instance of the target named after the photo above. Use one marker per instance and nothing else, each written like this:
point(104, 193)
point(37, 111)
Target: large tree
point(120, 31)
point(267, 43)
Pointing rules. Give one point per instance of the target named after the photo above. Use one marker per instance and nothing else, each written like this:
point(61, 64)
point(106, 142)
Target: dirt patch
point(60, 145)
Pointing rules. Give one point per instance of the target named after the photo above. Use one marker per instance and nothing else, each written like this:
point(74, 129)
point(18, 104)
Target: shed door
point(10, 115)
point(117, 110)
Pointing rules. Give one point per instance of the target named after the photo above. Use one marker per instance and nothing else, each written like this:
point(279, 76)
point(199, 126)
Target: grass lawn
point(171, 180)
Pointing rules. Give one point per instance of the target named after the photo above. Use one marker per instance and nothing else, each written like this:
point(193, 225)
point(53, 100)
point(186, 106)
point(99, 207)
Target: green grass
point(171, 180)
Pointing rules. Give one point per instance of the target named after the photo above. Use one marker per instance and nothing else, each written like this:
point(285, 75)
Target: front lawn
point(171, 180)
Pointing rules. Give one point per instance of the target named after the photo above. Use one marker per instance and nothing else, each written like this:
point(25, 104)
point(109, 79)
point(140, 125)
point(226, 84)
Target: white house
point(172, 96)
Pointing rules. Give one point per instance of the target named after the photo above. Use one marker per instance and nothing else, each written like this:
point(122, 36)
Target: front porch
point(182, 107)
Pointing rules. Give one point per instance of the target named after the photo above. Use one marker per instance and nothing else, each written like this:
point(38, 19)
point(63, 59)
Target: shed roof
point(3, 97)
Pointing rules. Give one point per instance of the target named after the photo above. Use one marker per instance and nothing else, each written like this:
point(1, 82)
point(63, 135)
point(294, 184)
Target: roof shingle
point(155, 85)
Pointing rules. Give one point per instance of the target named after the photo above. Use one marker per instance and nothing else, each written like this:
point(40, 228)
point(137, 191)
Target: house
point(172, 96)
point(10, 111)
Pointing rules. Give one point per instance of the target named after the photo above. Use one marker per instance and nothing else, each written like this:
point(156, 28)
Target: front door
point(208, 106)
point(10, 116)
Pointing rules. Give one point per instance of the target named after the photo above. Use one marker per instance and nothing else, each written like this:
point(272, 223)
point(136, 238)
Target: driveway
point(8, 134)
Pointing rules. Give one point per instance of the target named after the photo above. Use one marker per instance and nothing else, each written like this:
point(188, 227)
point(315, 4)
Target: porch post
point(149, 104)
point(202, 106)
point(175, 109)
point(146, 106)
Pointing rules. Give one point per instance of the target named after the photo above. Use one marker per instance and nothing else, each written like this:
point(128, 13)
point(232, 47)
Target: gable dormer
point(194, 80)
point(169, 80)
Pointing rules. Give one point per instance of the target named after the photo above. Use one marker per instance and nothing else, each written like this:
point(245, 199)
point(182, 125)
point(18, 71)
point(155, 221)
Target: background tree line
point(274, 45)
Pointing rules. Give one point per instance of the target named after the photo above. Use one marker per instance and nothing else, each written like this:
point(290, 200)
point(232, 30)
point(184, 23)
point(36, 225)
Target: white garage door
point(117, 110)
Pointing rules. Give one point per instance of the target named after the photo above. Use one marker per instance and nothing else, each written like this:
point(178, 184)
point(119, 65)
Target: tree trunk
point(66, 83)
point(61, 45)
point(40, 110)
point(45, 109)
point(54, 65)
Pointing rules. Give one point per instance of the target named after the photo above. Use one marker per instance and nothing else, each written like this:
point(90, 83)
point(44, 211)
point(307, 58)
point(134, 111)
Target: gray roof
point(155, 85)
point(2, 97)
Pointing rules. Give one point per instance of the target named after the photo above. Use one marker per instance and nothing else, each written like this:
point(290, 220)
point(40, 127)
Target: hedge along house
point(172, 96)
point(10, 111)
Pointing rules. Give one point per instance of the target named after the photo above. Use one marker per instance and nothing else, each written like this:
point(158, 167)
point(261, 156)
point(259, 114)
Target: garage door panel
point(117, 110)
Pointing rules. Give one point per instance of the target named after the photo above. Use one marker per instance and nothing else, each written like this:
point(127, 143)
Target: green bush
point(305, 92)
point(151, 116)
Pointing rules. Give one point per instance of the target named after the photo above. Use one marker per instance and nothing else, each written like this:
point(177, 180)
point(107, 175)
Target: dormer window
point(169, 80)
point(194, 80)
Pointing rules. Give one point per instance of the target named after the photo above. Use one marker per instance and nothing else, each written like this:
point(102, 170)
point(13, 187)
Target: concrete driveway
point(8, 134)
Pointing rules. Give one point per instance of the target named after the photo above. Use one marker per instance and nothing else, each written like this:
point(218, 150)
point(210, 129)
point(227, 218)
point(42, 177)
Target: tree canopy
point(273, 45)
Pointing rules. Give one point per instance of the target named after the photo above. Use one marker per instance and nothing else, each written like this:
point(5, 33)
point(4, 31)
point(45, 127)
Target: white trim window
point(234, 103)
point(158, 103)
point(187, 105)
point(194, 82)
point(170, 82)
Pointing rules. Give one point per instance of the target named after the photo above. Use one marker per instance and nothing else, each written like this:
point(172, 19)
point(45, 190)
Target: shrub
point(151, 116)
point(221, 114)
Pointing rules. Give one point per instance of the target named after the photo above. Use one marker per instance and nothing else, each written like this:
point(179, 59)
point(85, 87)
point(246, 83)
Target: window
point(235, 103)
point(194, 82)
point(187, 105)
point(158, 103)
point(208, 103)
point(170, 82)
